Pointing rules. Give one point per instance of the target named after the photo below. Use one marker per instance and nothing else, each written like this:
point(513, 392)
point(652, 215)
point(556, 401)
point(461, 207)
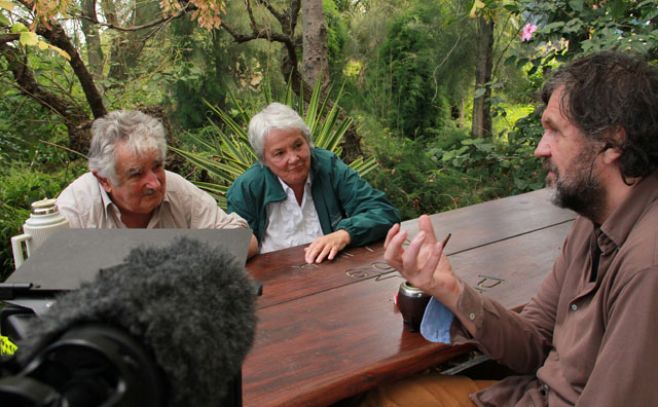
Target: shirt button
point(574, 307)
point(471, 316)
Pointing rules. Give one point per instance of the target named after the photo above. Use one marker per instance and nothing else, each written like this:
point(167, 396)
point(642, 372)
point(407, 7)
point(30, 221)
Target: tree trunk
point(127, 46)
point(93, 39)
point(57, 36)
point(289, 62)
point(481, 126)
point(75, 119)
point(314, 44)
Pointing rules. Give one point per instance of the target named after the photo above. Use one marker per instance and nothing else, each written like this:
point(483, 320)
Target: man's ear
point(105, 183)
point(613, 150)
point(611, 154)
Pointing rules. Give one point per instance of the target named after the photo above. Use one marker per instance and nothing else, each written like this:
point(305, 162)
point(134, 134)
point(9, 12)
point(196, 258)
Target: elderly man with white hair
point(128, 187)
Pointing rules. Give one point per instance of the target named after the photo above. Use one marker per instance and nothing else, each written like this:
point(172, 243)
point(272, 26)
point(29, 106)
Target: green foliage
point(452, 170)
point(336, 36)
point(415, 70)
point(23, 125)
point(199, 74)
point(510, 167)
point(224, 153)
point(569, 28)
point(505, 165)
point(22, 185)
point(415, 184)
point(31, 166)
point(406, 56)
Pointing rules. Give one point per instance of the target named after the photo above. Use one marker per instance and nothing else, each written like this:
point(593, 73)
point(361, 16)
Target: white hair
point(274, 116)
point(140, 132)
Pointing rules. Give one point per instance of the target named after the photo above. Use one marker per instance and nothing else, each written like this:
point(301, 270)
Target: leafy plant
point(22, 185)
point(566, 29)
point(508, 164)
point(225, 153)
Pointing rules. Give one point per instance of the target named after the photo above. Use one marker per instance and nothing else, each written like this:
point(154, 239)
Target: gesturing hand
point(424, 263)
point(327, 246)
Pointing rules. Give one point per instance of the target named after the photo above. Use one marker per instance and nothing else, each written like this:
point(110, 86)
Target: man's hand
point(424, 263)
point(327, 246)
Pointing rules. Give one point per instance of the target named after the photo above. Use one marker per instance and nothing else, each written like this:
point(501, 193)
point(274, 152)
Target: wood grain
point(319, 348)
point(285, 275)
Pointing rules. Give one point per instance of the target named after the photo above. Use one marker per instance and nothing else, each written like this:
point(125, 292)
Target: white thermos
point(43, 221)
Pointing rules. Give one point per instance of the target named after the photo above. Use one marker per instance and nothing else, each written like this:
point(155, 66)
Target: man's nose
point(543, 149)
point(152, 180)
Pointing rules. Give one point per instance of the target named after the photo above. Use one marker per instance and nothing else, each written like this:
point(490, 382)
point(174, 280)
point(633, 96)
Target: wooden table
point(330, 331)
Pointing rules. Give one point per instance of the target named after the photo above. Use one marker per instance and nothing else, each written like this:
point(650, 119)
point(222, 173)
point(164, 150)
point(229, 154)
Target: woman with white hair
point(298, 194)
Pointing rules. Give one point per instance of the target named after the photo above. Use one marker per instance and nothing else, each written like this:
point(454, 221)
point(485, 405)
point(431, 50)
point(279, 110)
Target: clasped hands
point(423, 263)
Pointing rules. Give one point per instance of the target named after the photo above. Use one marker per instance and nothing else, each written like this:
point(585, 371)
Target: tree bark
point(290, 61)
point(127, 46)
point(74, 117)
point(56, 36)
point(481, 125)
point(93, 39)
point(315, 65)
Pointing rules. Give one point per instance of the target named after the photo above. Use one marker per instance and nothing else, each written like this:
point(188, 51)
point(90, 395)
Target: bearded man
point(590, 331)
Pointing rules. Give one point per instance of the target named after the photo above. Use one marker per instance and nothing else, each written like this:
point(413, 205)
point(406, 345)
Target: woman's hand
point(423, 263)
point(327, 246)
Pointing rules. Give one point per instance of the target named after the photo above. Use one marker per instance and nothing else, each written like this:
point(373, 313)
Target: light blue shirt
point(437, 319)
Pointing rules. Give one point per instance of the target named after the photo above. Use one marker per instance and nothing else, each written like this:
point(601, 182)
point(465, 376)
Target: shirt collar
point(616, 228)
point(287, 189)
point(109, 206)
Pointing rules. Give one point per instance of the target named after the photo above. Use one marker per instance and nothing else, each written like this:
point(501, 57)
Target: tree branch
point(74, 117)
point(257, 34)
point(117, 27)
point(288, 21)
point(250, 13)
point(279, 16)
point(5, 38)
point(110, 12)
point(56, 36)
point(295, 6)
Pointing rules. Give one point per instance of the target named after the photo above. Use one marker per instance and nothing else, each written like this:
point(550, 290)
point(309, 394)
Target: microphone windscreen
point(192, 306)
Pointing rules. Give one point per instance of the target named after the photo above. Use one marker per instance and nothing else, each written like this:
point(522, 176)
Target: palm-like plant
point(228, 154)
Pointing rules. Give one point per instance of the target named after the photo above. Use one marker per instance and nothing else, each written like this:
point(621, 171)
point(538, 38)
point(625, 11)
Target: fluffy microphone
point(190, 306)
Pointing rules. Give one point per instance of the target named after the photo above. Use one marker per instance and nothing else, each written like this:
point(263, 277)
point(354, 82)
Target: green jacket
point(342, 199)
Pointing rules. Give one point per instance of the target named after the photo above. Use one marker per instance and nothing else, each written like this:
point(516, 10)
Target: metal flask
point(411, 302)
point(44, 220)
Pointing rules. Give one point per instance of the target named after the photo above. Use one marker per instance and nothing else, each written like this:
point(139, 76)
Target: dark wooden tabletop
point(329, 331)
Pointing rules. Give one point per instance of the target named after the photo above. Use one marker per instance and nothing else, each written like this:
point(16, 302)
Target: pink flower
point(526, 33)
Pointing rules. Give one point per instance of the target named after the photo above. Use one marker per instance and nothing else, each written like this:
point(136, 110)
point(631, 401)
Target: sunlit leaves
point(29, 38)
point(46, 10)
point(7, 5)
point(207, 13)
point(18, 28)
point(477, 6)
